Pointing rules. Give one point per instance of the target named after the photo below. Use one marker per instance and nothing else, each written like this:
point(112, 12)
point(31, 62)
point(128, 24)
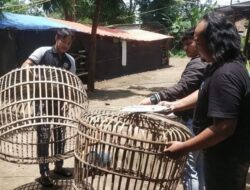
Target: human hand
point(25, 65)
point(30, 71)
point(65, 107)
point(175, 149)
point(169, 105)
point(145, 101)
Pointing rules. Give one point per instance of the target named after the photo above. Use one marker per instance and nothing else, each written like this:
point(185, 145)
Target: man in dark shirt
point(191, 79)
point(54, 56)
point(222, 107)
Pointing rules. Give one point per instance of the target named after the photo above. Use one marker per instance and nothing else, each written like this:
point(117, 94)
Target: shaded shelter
point(119, 52)
point(236, 12)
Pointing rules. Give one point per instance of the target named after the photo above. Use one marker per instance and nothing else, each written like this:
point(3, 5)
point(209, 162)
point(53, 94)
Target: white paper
point(145, 108)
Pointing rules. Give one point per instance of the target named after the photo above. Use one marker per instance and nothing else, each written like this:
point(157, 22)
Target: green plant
point(248, 65)
point(188, 17)
point(177, 53)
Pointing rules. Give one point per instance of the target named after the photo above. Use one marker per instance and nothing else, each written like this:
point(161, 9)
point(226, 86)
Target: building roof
point(236, 11)
point(27, 22)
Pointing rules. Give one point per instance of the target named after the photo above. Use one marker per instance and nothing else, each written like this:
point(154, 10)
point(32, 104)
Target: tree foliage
point(189, 17)
point(17, 6)
point(115, 12)
point(172, 16)
point(62, 8)
point(158, 14)
point(165, 16)
point(112, 11)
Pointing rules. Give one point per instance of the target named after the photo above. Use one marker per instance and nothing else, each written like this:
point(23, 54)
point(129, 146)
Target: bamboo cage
point(39, 107)
point(118, 151)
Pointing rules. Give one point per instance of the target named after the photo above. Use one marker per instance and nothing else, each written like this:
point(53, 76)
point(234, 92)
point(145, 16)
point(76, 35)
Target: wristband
point(153, 99)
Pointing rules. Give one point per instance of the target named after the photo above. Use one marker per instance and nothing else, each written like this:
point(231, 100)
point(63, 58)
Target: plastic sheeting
point(27, 22)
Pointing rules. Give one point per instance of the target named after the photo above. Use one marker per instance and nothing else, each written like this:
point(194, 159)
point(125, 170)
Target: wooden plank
point(81, 74)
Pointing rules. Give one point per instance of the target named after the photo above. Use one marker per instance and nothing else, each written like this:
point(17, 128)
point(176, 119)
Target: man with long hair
point(222, 107)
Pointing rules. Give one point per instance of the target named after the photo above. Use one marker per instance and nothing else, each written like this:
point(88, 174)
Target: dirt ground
point(131, 89)
point(109, 94)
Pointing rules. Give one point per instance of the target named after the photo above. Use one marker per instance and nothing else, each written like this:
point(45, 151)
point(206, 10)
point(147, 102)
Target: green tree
point(171, 16)
point(188, 17)
point(113, 11)
point(1, 5)
point(158, 14)
point(62, 9)
point(17, 6)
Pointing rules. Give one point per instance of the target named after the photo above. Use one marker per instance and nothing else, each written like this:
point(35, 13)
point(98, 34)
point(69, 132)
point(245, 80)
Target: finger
point(161, 103)
point(166, 150)
point(168, 144)
point(141, 103)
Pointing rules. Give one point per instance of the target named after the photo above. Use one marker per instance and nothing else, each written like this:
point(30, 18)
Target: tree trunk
point(73, 10)
point(70, 13)
point(130, 6)
point(92, 50)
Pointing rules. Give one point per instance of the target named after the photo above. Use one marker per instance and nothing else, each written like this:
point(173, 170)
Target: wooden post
point(73, 10)
point(92, 49)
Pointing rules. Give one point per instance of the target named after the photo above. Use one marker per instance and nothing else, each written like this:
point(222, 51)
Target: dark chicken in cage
point(118, 151)
point(39, 107)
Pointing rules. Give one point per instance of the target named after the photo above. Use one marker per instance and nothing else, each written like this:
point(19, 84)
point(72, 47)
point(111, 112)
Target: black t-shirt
point(52, 58)
point(48, 56)
point(225, 94)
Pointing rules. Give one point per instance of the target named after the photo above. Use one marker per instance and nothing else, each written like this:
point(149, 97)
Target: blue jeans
point(43, 138)
point(193, 175)
point(44, 134)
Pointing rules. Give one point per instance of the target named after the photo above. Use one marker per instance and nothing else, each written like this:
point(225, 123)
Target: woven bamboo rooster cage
point(39, 107)
point(117, 151)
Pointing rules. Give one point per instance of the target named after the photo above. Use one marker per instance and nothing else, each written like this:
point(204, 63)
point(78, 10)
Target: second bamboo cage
point(117, 151)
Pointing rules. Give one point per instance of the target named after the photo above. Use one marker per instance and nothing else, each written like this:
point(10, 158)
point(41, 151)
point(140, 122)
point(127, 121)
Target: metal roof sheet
point(27, 22)
point(237, 10)
point(131, 34)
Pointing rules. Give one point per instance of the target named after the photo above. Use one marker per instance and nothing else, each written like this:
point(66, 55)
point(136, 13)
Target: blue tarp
point(27, 22)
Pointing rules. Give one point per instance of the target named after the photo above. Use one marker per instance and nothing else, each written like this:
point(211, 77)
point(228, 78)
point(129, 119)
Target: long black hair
point(188, 34)
point(222, 38)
